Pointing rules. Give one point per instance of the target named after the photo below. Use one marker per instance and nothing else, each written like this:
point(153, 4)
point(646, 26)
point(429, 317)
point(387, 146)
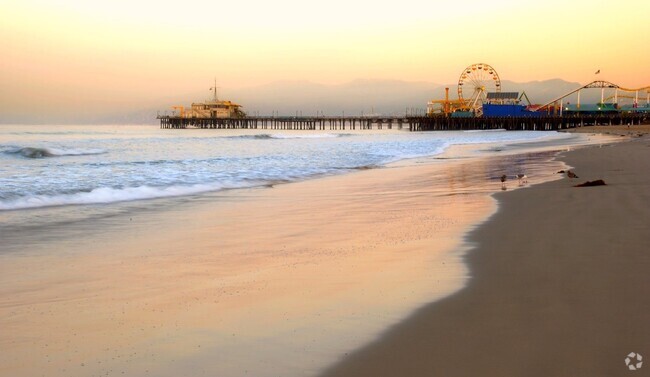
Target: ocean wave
point(289, 136)
point(34, 152)
point(105, 195)
point(493, 130)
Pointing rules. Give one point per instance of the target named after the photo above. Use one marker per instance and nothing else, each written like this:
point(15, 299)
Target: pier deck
point(411, 123)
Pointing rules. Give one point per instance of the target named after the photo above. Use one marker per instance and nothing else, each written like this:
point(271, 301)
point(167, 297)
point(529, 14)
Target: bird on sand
point(571, 174)
point(523, 178)
point(503, 181)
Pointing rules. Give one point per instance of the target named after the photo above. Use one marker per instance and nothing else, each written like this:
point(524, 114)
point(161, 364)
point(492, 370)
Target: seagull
point(503, 181)
point(597, 72)
point(523, 178)
point(571, 174)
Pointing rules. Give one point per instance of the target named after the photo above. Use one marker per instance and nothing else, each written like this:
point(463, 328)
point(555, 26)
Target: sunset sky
point(68, 56)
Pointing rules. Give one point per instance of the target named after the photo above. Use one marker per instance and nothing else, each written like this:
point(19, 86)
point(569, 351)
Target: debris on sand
point(598, 182)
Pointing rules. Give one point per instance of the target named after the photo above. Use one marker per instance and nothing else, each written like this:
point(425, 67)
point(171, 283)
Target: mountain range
point(356, 97)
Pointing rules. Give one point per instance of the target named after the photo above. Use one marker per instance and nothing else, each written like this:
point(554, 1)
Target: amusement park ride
point(479, 84)
point(473, 85)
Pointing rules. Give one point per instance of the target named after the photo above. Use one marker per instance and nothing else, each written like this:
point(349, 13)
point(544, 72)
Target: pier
point(410, 123)
point(291, 123)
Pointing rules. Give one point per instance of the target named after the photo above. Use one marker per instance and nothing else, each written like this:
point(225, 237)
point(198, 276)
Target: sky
point(75, 58)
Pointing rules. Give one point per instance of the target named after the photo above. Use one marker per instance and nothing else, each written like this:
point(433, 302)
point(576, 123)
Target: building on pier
point(213, 108)
point(507, 104)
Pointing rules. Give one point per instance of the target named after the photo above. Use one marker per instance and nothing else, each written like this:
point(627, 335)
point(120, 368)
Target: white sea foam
point(111, 195)
point(495, 130)
point(305, 136)
point(289, 136)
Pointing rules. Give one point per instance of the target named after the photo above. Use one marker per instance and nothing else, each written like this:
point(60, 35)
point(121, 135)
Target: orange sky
point(82, 55)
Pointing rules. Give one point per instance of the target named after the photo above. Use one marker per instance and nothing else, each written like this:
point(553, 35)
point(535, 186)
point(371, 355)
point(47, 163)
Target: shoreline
point(366, 223)
point(559, 283)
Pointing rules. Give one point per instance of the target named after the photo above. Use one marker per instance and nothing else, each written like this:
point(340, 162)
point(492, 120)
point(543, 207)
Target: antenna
point(215, 88)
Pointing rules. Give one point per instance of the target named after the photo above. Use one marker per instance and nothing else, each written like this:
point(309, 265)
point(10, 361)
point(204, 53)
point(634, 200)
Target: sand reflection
point(261, 282)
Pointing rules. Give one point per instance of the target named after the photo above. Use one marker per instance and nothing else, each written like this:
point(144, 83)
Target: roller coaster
point(557, 103)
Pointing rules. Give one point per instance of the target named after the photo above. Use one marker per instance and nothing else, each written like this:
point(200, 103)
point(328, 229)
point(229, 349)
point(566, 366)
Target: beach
point(559, 283)
point(283, 279)
point(324, 189)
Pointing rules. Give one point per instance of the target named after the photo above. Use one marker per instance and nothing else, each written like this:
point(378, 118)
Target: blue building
point(506, 104)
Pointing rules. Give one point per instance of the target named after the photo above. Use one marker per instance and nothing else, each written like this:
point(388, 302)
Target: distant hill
point(353, 98)
point(378, 96)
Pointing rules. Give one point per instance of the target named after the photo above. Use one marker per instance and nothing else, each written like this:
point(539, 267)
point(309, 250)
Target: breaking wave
point(492, 130)
point(111, 195)
point(33, 152)
point(289, 136)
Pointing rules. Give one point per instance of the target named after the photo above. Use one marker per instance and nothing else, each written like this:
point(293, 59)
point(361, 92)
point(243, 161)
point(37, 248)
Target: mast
point(215, 90)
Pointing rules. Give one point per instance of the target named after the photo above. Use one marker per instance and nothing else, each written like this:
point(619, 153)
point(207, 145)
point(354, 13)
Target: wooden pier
point(411, 123)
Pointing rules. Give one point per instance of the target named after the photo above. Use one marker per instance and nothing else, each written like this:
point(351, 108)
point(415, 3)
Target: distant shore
point(560, 280)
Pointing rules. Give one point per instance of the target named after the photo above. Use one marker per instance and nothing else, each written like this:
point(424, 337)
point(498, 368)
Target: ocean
point(137, 251)
point(50, 166)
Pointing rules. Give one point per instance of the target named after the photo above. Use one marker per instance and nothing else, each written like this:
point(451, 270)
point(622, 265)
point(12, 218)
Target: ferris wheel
point(474, 83)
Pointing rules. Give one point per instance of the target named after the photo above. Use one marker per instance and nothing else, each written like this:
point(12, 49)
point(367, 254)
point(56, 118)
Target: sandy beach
point(283, 280)
point(559, 283)
point(324, 189)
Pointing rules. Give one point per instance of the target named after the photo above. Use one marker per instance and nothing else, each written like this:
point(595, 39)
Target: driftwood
point(571, 174)
point(598, 182)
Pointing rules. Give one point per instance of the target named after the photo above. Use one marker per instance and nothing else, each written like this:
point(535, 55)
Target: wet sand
point(640, 129)
point(560, 280)
point(265, 282)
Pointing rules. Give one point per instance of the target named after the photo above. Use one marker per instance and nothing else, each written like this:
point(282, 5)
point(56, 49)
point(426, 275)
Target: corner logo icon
point(634, 361)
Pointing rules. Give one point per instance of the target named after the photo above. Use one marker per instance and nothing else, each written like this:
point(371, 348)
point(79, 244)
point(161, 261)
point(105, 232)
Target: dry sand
point(560, 284)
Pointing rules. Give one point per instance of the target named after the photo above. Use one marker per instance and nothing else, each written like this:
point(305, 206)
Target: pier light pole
point(578, 105)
